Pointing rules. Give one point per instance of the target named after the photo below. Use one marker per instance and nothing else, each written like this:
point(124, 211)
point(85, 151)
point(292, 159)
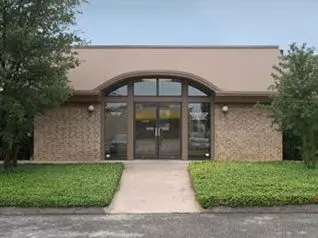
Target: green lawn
point(69, 185)
point(253, 183)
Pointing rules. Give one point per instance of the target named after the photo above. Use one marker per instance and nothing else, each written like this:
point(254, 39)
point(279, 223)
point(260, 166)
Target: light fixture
point(108, 156)
point(225, 108)
point(207, 155)
point(1, 89)
point(90, 108)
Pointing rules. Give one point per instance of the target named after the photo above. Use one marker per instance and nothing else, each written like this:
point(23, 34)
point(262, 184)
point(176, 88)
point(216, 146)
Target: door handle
point(157, 131)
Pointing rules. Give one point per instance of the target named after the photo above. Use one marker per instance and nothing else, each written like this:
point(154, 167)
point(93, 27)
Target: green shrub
point(253, 183)
point(68, 185)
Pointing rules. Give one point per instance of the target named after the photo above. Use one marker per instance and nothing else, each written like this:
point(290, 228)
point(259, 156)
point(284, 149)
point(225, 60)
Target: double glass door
point(157, 131)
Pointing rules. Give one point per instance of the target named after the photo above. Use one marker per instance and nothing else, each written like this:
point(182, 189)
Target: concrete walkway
point(155, 187)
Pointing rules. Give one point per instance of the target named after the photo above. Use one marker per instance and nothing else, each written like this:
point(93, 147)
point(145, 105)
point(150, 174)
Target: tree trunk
point(312, 149)
point(14, 157)
point(309, 149)
point(306, 149)
point(7, 165)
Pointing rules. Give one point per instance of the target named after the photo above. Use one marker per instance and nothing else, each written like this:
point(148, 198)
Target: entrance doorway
point(158, 117)
point(157, 131)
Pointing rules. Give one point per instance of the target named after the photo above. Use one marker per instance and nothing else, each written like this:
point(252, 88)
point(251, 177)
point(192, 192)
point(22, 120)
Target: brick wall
point(245, 133)
point(68, 133)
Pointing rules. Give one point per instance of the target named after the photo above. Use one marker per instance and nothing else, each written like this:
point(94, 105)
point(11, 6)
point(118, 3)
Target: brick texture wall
point(68, 133)
point(245, 133)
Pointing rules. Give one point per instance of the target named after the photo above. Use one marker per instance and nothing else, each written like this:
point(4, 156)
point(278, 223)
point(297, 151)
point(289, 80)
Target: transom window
point(193, 91)
point(121, 91)
point(145, 87)
point(169, 87)
point(156, 87)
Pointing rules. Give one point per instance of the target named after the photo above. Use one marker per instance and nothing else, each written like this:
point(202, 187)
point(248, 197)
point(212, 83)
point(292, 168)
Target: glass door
point(169, 131)
point(145, 131)
point(157, 131)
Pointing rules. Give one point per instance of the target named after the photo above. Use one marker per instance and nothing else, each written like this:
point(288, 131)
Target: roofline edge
point(177, 47)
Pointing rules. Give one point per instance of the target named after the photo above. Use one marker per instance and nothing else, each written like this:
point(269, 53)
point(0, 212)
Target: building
point(164, 102)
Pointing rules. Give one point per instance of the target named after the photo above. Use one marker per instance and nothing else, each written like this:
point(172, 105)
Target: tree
point(294, 106)
point(36, 41)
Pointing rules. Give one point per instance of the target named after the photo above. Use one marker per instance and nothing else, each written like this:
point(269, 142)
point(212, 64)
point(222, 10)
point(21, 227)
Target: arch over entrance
point(157, 116)
point(150, 73)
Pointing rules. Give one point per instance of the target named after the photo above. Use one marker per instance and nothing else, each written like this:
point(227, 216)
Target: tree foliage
point(294, 104)
point(36, 40)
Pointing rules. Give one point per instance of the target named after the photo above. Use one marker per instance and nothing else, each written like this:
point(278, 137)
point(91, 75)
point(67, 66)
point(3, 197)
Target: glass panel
point(145, 125)
point(169, 87)
point(145, 87)
point(199, 131)
point(169, 131)
point(193, 91)
point(116, 131)
point(121, 91)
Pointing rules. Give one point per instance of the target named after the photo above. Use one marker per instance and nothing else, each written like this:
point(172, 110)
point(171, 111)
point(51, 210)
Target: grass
point(68, 185)
point(253, 183)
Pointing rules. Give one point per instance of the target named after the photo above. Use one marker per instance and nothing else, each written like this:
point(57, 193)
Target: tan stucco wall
point(245, 69)
point(68, 133)
point(245, 133)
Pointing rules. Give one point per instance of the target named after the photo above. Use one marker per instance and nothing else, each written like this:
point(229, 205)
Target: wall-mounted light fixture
point(90, 108)
point(225, 108)
point(1, 89)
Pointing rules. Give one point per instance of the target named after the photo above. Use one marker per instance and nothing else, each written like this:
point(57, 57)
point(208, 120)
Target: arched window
point(121, 90)
point(193, 91)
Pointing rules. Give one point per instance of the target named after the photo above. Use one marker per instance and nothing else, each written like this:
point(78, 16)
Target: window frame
point(182, 81)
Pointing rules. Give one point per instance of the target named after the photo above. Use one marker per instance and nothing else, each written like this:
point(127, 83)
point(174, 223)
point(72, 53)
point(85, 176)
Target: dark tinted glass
point(116, 131)
point(199, 130)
